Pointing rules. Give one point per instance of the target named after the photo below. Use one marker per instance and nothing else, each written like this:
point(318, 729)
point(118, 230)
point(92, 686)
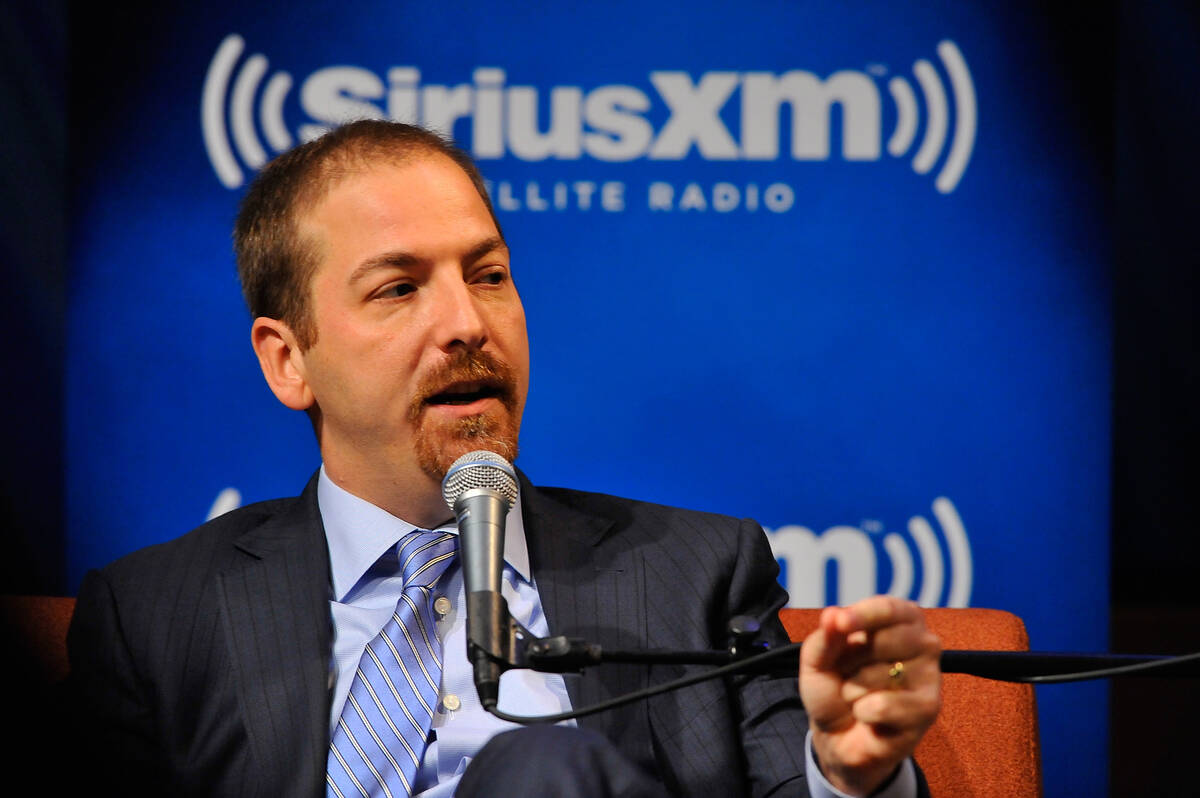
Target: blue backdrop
point(840, 269)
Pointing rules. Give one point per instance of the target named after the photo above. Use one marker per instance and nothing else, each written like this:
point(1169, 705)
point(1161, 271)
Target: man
point(247, 656)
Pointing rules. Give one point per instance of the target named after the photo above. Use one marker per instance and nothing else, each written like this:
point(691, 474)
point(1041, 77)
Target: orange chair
point(984, 743)
point(35, 628)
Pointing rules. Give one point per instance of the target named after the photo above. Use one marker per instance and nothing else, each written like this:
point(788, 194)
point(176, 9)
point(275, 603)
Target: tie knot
point(424, 556)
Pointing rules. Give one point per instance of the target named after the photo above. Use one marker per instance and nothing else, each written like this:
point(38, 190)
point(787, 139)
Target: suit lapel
point(591, 584)
point(276, 617)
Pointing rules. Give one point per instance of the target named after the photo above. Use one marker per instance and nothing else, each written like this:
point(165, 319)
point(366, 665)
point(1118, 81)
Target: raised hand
point(870, 680)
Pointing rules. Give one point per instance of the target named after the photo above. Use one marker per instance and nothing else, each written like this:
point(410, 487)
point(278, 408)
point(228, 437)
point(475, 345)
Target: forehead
point(426, 201)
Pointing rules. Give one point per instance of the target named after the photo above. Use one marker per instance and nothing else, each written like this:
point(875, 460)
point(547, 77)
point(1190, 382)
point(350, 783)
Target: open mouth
point(465, 393)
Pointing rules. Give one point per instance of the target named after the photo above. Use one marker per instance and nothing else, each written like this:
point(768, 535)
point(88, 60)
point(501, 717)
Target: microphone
point(479, 488)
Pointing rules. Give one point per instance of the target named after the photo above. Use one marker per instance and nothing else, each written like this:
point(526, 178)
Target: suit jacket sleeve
point(106, 701)
point(772, 723)
point(200, 666)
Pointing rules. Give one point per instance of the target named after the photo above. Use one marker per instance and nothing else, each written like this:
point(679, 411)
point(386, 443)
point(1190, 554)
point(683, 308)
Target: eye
point(496, 276)
point(396, 290)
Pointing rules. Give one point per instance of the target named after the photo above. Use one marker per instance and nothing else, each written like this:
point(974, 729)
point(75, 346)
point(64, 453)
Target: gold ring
point(896, 674)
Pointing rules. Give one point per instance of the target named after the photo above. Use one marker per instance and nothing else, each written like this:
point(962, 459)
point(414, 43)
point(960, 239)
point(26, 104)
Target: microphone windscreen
point(480, 469)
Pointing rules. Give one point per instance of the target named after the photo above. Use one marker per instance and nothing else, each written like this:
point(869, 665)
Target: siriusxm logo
point(228, 499)
point(854, 554)
point(720, 115)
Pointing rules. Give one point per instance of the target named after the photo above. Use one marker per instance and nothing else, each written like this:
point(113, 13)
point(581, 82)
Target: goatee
point(438, 446)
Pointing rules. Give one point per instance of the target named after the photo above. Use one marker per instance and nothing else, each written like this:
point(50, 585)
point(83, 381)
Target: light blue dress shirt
point(367, 584)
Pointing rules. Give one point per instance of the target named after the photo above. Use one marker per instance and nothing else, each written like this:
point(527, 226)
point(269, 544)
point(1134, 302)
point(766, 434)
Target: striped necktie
point(380, 738)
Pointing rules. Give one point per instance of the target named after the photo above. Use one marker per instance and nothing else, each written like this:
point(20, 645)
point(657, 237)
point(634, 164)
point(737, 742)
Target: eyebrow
point(484, 247)
point(401, 259)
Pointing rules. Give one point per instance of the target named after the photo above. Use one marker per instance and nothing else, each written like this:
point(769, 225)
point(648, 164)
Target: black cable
point(613, 703)
point(1101, 673)
point(793, 648)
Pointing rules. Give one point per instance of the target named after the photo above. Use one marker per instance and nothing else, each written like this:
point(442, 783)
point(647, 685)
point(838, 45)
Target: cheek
point(328, 380)
point(360, 370)
point(379, 355)
point(516, 334)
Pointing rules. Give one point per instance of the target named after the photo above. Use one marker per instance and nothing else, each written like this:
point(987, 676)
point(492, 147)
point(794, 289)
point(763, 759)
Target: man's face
point(421, 351)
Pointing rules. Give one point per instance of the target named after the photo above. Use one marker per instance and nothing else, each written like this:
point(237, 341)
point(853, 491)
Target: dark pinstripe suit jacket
point(202, 666)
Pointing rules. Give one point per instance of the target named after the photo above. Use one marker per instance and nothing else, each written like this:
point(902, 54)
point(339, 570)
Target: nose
point(460, 322)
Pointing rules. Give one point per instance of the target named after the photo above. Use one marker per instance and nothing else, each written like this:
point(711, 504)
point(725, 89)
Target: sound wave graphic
point(933, 567)
point(856, 555)
point(240, 111)
point(937, 117)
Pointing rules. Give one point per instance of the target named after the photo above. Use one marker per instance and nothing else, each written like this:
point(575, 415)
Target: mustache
point(467, 365)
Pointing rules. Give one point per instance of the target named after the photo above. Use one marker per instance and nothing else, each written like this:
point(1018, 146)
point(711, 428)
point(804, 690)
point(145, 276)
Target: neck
point(417, 500)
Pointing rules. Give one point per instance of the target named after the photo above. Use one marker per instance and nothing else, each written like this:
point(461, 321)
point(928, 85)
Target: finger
point(824, 646)
point(912, 675)
point(899, 711)
point(877, 612)
point(895, 643)
point(901, 642)
point(874, 677)
point(831, 622)
point(854, 654)
point(821, 650)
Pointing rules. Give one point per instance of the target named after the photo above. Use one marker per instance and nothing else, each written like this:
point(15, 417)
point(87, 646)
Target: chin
point(438, 449)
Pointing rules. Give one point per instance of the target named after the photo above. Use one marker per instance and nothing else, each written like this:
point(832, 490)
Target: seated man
point(316, 644)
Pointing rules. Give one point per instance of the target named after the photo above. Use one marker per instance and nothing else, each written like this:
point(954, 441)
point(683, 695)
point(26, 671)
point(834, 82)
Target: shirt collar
point(359, 533)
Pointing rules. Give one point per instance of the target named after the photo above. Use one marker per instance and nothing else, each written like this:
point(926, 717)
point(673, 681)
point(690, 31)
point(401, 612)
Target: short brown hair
point(274, 264)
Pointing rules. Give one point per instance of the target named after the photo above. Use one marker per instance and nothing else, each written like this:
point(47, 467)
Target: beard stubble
point(438, 445)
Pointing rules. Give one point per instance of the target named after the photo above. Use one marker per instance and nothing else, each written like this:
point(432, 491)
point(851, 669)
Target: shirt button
point(450, 702)
point(442, 605)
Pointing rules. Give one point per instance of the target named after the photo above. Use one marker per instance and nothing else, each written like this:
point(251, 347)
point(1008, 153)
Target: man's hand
point(870, 680)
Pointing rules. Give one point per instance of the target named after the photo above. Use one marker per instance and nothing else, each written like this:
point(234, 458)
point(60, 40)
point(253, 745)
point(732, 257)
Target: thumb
point(824, 645)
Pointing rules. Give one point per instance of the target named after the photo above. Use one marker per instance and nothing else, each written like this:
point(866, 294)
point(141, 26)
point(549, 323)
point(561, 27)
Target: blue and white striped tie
point(380, 738)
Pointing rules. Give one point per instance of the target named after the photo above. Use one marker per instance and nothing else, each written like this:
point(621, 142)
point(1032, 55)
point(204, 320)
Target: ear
point(282, 362)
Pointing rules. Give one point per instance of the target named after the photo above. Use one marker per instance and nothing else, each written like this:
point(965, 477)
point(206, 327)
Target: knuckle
point(930, 701)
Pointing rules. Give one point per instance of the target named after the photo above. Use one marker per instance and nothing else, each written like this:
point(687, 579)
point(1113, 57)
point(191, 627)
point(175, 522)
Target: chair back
point(984, 743)
point(35, 629)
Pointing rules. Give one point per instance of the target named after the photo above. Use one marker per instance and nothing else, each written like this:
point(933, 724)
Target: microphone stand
point(746, 654)
point(561, 654)
point(564, 655)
